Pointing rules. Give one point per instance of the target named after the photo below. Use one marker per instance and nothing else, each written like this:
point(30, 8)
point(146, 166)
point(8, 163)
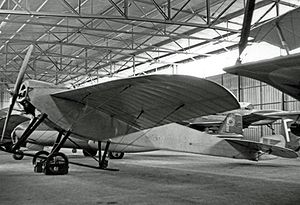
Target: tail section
point(233, 124)
point(292, 140)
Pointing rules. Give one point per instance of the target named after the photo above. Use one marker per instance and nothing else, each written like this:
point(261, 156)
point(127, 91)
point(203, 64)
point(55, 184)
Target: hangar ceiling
point(76, 41)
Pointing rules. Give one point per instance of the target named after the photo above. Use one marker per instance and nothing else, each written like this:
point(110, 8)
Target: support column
point(208, 12)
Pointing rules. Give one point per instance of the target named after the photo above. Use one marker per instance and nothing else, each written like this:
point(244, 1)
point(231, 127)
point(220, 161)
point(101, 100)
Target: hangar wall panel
point(248, 82)
point(253, 133)
point(292, 105)
point(251, 94)
point(271, 95)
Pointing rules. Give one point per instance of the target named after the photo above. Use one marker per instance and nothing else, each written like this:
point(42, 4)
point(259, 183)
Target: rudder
point(233, 123)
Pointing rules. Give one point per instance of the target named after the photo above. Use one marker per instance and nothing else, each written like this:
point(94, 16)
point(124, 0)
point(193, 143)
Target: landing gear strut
point(89, 153)
point(103, 162)
point(15, 149)
point(55, 163)
point(32, 126)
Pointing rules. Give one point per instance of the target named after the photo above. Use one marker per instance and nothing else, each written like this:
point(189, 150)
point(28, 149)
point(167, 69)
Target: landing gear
point(115, 155)
point(39, 157)
point(15, 149)
point(54, 163)
point(31, 127)
point(18, 155)
point(57, 164)
point(103, 162)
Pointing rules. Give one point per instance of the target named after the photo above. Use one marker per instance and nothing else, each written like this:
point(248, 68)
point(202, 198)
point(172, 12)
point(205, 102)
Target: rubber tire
point(18, 155)
point(53, 167)
point(39, 153)
point(115, 155)
point(89, 153)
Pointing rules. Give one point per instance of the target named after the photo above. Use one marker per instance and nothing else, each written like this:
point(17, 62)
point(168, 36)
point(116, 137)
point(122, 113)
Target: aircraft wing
point(294, 115)
point(256, 119)
point(153, 100)
point(281, 72)
point(287, 24)
point(246, 146)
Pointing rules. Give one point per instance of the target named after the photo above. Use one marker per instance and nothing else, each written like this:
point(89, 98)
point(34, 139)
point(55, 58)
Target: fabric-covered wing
point(294, 115)
point(153, 100)
point(288, 25)
point(281, 72)
point(244, 145)
point(255, 119)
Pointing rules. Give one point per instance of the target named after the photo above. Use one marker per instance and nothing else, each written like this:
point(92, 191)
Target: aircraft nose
point(22, 94)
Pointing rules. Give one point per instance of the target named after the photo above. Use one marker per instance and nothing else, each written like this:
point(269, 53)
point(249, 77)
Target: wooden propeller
point(16, 88)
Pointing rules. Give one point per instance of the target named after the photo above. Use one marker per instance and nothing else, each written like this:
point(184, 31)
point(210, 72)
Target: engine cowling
point(31, 89)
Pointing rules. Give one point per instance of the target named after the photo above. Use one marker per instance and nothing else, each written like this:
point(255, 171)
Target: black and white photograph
point(149, 102)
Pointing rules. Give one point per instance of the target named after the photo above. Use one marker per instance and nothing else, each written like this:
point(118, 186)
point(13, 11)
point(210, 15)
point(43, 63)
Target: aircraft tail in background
point(292, 141)
point(233, 124)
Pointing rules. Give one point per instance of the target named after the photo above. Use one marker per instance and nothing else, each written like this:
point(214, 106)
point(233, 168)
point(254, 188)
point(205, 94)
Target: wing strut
point(282, 39)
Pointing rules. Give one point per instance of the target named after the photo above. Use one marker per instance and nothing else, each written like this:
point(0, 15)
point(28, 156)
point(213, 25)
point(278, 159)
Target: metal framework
point(83, 40)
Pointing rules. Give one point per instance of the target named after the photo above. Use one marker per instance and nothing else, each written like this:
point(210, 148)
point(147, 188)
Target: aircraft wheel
point(8, 147)
point(18, 155)
point(57, 164)
point(115, 155)
point(89, 153)
point(38, 155)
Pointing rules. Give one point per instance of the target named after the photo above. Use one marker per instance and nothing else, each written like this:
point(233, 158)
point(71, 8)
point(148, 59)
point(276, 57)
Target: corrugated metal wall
point(261, 95)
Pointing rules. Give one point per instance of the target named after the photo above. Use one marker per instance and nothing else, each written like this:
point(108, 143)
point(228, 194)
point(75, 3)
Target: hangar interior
point(79, 42)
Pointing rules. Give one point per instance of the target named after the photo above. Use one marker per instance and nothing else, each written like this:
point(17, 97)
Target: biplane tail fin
point(232, 124)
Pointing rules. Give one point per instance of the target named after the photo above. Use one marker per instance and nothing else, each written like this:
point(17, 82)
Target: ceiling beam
point(111, 17)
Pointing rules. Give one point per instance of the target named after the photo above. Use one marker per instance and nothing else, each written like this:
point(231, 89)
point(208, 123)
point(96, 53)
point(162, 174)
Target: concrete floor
point(154, 178)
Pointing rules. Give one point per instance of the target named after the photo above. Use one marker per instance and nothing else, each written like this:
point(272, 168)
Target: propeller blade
point(16, 88)
point(22, 70)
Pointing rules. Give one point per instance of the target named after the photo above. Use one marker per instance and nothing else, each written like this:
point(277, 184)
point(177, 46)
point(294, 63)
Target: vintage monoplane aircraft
point(45, 136)
point(141, 110)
